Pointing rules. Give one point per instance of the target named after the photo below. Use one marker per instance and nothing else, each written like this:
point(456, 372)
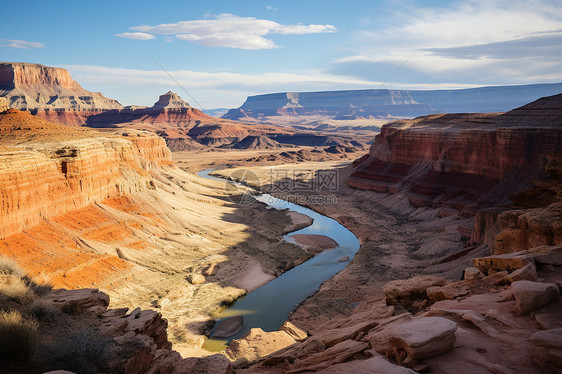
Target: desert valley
point(318, 231)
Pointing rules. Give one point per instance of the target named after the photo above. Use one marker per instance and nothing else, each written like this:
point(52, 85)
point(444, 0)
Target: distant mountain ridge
point(354, 104)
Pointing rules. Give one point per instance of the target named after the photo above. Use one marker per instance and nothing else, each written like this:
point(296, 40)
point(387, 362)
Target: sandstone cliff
point(106, 208)
point(58, 177)
point(473, 162)
point(50, 93)
point(47, 90)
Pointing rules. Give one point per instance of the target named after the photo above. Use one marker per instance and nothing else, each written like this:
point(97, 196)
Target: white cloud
point(269, 7)
point(189, 78)
point(498, 36)
point(135, 35)
point(22, 44)
point(228, 30)
point(216, 89)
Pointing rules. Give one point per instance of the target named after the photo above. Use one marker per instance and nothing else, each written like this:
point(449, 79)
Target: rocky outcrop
point(406, 292)
point(533, 295)
point(257, 344)
point(4, 105)
point(135, 341)
point(355, 104)
point(50, 92)
point(418, 339)
point(48, 179)
point(256, 142)
point(472, 163)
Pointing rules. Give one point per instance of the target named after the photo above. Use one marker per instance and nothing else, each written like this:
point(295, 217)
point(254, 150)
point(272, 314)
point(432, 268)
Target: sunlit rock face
point(54, 175)
point(474, 161)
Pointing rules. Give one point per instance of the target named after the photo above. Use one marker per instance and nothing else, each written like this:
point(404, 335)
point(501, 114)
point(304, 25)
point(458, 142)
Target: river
point(269, 306)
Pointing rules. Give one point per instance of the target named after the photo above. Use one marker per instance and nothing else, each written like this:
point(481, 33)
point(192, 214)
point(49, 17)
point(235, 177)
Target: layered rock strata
point(59, 177)
point(472, 163)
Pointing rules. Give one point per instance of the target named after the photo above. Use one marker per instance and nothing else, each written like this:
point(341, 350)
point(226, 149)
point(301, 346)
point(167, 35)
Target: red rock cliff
point(19, 75)
point(50, 92)
point(465, 161)
point(58, 173)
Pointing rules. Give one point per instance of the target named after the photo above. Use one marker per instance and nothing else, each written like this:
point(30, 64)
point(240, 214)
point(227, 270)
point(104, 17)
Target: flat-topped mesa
point(170, 100)
point(467, 161)
point(381, 103)
point(50, 92)
point(22, 75)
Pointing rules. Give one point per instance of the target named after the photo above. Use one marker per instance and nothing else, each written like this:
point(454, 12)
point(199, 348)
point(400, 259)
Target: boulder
point(257, 344)
point(549, 343)
point(496, 278)
point(507, 262)
point(468, 315)
point(547, 255)
point(472, 273)
point(533, 295)
point(420, 338)
point(4, 104)
point(343, 259)
point(196, 279)
point(210, 270)
point(334, 336)
point(447, 292)
point(293, 331)
point(228, 327)
point(528, 272)
point(405, 292)
point(548, 320)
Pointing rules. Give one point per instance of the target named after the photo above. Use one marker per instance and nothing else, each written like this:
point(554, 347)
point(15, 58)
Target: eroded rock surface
point(533, 295)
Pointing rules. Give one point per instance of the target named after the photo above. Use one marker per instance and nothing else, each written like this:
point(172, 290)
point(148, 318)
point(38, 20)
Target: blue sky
point(222, 51)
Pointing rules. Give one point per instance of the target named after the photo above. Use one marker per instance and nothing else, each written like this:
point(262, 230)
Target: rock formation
point(502, 314)
point(50, 93)
point(356, 104)
point(85, 208)
point(257, 142)
point(4, 105)
point(471, 162)
point(70, 174)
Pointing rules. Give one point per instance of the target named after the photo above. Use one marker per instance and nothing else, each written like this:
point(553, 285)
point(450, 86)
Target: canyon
point(108, 209)
point(51, 93)
point(450, 228)
point(458, 215)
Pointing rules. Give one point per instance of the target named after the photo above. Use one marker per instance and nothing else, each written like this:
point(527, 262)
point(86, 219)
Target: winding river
point(269, 306)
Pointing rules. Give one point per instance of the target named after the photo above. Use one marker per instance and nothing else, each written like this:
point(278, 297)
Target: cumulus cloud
point(22, 44)
point(135, 35)
point(227, 30)
point(483, 41)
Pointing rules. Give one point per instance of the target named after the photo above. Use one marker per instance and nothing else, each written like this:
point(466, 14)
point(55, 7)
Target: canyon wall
point(37, 87)
point(352, 104)
point(480, 164)
point(49, 178)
